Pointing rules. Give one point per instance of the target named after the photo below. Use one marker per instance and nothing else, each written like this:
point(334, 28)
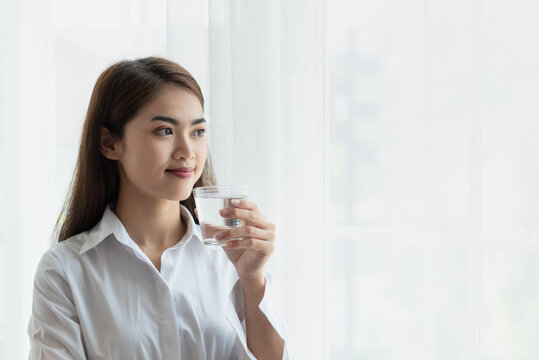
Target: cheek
point(202, 153)
point(144, 156)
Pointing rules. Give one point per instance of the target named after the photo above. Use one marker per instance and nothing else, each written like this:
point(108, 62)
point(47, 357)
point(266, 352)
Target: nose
point(183, 148)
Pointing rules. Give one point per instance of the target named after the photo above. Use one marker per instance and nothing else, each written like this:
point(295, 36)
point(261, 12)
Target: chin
point(179, 196)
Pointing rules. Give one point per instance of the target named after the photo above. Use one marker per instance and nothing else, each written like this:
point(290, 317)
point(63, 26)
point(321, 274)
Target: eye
point(165, 131)
point(200, 132)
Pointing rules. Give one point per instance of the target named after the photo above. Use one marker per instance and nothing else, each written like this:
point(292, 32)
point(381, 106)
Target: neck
point(153, 224)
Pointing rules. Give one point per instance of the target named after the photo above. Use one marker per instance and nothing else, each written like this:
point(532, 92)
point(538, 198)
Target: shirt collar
point(110, 225)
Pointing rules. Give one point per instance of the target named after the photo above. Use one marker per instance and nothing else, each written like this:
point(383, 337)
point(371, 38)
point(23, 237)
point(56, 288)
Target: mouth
point(184, 173)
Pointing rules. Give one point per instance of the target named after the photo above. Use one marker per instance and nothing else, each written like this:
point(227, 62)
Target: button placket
point(168, 327)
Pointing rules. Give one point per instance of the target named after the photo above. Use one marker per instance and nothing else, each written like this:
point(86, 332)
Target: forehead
point(175, 102)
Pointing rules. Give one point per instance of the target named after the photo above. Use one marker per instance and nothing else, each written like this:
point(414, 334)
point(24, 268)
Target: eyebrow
point(176, 122)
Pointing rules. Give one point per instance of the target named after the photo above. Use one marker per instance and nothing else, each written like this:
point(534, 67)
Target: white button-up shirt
point(98, 296)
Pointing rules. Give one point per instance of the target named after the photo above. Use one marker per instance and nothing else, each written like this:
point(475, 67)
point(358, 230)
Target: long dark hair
point(120, 91)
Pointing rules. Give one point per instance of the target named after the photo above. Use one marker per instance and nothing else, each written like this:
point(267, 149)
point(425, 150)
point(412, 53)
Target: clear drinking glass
point(209, 200)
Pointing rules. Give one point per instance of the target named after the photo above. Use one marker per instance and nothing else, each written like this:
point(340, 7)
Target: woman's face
point(166, 136)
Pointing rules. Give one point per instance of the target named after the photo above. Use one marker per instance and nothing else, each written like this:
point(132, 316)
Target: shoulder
point(63, 254)
point(50, 273)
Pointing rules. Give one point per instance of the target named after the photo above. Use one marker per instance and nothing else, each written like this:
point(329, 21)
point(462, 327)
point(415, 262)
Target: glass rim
point(213, 189)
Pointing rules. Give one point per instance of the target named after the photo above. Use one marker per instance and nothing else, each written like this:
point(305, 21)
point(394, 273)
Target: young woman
point(130, 277)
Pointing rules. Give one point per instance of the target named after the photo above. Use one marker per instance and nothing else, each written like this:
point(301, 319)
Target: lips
point(184, 169)
point(183, 172)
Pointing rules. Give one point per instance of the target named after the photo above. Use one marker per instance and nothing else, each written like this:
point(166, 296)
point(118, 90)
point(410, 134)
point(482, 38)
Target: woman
point(130, 277)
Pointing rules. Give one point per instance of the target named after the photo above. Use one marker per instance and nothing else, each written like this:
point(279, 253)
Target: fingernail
point(235, 202)
point(219, 236)
point(225, 211)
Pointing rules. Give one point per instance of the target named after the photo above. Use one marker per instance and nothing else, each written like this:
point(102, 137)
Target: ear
point(109, 145)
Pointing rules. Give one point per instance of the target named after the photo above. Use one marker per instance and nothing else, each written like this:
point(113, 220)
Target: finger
point(246, 232)
point(265, 247)
point(245, 204)
point(209, 230)
point(249, 216)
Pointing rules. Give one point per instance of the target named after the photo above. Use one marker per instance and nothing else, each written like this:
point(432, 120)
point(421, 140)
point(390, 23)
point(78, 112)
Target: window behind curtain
point(433, 172)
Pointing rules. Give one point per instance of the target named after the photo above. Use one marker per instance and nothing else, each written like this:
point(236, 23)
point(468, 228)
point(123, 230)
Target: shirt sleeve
point(236, 318)
point(54, 327)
